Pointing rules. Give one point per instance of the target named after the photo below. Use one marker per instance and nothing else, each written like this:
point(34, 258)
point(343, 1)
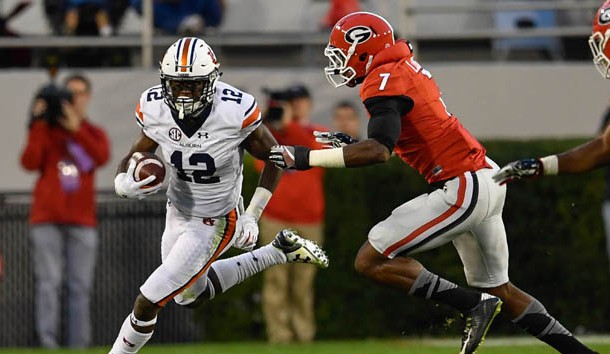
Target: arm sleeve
point(33, 154)
point(385, 123)
point(252, 116)
point(95, 142)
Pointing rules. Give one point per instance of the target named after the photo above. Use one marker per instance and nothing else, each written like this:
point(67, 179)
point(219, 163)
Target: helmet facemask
point(189, 96)
point(337, 72)
point(597, 43)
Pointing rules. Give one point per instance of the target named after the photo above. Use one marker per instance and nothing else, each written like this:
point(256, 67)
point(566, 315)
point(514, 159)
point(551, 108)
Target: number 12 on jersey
point(200, 176)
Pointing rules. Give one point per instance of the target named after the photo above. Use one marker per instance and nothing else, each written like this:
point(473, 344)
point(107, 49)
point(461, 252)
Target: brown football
point(148, 164)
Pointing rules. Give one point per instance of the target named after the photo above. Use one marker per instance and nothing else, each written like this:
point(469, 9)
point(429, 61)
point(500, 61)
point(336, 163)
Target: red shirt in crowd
point(432, 140)
point(46, 147)
point(299, 197)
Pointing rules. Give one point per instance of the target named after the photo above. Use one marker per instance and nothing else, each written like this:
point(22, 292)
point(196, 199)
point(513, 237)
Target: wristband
point(259, 202)
point(327, 158)
point(301, 158)
point(550, 165)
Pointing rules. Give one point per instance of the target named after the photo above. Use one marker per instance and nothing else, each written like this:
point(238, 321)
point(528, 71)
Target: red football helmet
point(598, 41)
point(354, 41)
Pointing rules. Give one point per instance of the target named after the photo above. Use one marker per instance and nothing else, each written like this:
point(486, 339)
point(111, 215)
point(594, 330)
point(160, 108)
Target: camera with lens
point(53, 96)
point(276, 99)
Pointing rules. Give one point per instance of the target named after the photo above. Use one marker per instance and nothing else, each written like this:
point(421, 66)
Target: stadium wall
point(497, 100)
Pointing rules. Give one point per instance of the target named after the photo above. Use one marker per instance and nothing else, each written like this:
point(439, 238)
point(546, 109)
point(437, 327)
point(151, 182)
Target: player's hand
point(247, 232)
point(126, 186)
point(519, 169)
point(282, 156)
point(333, 139)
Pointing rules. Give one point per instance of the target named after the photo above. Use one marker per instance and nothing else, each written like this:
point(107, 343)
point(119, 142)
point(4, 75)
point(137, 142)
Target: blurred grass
point(398, 346)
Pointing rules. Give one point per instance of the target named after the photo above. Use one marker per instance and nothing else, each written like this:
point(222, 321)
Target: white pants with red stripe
point(467, 211)
point(188, 248)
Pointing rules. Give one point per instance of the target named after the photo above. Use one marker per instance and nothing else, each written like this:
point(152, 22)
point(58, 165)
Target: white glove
point(247, 232)
point(126, 186)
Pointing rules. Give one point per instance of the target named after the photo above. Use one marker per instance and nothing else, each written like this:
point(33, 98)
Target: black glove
point(333, 139)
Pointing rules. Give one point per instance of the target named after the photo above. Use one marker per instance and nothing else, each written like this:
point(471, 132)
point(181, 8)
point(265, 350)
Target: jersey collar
point(391, 54)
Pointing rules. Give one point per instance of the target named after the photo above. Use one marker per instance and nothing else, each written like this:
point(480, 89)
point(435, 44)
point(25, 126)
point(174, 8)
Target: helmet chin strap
point(368, 64)
point(181, 112)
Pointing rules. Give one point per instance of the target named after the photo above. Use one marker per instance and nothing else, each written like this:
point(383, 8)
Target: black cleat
point(478, 321)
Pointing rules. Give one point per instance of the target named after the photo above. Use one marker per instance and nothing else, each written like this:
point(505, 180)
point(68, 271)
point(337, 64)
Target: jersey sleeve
point(384, 81)
point(139, 115)
point(251, 116)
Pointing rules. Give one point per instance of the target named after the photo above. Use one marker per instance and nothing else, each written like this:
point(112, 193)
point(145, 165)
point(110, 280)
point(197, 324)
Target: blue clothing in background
point(169, 14)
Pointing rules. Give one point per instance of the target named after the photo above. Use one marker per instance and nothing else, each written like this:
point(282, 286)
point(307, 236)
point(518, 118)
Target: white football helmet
point(189, 71)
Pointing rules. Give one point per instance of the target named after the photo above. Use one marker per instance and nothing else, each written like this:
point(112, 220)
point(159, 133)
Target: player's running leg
point(529, 314)
point(407, 274)
point(188, 248)
point(286, 247)
point(484, 253)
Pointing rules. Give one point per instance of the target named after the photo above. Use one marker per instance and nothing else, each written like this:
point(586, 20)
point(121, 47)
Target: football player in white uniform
point(202, 126)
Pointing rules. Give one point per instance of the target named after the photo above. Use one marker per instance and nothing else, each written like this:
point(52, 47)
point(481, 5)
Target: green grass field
point(399, 346)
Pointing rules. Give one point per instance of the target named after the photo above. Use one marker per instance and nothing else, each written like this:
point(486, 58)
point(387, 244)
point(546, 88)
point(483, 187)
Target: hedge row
point(555, 235)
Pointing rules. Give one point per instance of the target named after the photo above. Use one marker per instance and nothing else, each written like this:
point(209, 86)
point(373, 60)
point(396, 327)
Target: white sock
point(129, 340)
point(226, 273)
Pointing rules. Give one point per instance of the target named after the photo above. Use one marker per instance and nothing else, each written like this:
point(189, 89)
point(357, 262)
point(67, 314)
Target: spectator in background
point(297, 203)
point(87, 17)
point(185, 17)
point(346, 120)
point(65, 149)
point(338, 9)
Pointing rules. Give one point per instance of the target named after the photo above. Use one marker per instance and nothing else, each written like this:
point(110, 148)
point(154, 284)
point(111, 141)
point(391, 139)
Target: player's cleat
point(298, 249)
point(478, 321)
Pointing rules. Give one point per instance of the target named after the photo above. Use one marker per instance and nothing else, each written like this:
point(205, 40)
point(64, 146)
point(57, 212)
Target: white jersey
point(206, 167)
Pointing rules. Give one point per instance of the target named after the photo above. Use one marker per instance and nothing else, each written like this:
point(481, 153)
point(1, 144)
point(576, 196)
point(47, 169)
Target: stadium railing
point(410, 10)
point(129, 234)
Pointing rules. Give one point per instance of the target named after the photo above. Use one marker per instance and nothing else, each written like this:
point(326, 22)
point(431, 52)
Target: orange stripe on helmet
point(184, 56)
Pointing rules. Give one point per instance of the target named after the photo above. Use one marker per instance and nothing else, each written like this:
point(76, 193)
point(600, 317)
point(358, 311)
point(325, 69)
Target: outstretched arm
point(583, 158)
point(383, 133)
point(586, 157)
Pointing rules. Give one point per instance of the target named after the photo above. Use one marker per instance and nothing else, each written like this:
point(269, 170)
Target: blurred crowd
point(105, 17)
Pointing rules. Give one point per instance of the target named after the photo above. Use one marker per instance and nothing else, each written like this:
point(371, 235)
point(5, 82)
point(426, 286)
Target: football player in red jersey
point(408, 117)
point(590, 155)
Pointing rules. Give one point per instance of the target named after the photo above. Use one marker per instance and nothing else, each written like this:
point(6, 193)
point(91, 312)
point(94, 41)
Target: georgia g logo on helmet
point(604, 16)
point(358, 34)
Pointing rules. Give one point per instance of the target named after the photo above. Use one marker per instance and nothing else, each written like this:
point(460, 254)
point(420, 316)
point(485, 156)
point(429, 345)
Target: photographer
point(64, 148)
point(297, 203)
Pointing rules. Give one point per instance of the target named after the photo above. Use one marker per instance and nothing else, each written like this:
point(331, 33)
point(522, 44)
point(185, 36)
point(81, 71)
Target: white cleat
point(298, 249)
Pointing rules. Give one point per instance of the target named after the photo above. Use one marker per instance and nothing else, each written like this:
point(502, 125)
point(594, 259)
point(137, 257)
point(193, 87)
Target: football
point(148, 164)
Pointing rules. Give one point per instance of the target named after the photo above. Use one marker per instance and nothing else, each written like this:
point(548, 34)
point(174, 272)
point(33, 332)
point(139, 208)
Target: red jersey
point(431, 140)
point(302, 188)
